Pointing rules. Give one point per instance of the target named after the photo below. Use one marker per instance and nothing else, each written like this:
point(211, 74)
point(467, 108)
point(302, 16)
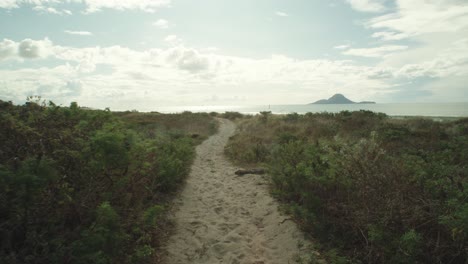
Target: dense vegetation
point(372, 189)
point(88, 186)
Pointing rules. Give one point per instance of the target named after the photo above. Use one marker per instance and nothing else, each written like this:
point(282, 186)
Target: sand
point(224, 218)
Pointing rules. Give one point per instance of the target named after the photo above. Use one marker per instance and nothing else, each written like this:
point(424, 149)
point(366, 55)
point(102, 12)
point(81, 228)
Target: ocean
point(401, 109)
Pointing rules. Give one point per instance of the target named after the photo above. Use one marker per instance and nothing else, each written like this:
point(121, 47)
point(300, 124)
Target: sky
point(144, 54)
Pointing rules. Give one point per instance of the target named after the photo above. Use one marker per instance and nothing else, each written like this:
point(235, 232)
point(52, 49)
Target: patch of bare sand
point(222, 218)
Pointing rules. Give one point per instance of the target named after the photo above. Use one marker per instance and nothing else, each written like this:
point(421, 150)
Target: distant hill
point(340, 99)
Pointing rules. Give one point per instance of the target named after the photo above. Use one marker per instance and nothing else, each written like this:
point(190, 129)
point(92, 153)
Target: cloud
point(51, 10)
point(79, 33)
point(281, 14)
point(144, 78)
point(142, 5)
point(435, 49)
point(57, 89)
point(378, 52)
point(439, 27)
point(448, 59)
point(161, 23)
point(26, 49)
point(157, 74)
point(72, 88)
point(371, 6)
point(341, 47)
point(417, 17)
point(380, 73)
point(9, 4)
point(188, 59)
point(50, 6)
point(8, 48)
point(389, 35)
point(40, 81)
point(32, 49)
point(173, 40)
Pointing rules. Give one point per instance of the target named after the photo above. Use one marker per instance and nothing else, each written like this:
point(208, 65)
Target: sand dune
point(223, 218)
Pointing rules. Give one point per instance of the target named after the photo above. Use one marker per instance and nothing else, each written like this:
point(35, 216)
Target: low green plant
point(89, 186)
point(371, 188)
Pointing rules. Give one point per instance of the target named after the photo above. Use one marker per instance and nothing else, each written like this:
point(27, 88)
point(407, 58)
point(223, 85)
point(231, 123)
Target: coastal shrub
point(232, 115)
point(89, 186)
point(293, 117)
point(373, 189)
point(264, 116)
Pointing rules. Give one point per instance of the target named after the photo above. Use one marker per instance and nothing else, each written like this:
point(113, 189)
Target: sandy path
point(224, 218)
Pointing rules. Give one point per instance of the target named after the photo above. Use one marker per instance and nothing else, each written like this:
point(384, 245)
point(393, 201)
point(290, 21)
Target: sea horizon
point(459, 109)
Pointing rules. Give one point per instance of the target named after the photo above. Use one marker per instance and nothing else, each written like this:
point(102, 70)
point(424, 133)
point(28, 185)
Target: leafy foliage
point(88, 186)
point(372, 188)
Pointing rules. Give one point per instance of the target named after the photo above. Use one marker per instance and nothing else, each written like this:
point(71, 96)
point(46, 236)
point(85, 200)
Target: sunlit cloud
point(417, 17)
point(385, 48)
point(281, 14)
point(25, 49)
point(91, 6)
point(79, 33)
point(341, 47)
point(372, 6)
point(161, 23)
point(377, 52)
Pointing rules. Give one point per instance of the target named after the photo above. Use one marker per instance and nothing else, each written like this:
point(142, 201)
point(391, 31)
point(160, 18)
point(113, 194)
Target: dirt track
point(223, 218)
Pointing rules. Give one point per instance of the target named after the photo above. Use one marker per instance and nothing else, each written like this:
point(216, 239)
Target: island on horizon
point(340, 99)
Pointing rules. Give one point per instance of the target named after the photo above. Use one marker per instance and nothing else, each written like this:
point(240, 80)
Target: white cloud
point(8, 48)
point(79, 33)
point(9, 4)
point(26, 49)
point(50, 6)
point(378, 52)
point(187, 59)
point(341, 47)
point(161, 23)
point(49, 82)
point(450, 60)
point(184, 75)
point(439, 27)
point(173, 40)
point(143, 5)
point(281, 14)
point(372, 6)
point(417, 17)
point(51, 10)
point(162, 75)
point(31, 49)
point(388, 35)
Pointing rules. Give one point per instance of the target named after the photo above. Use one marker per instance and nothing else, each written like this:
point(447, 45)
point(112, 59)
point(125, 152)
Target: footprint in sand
point(217, 223)
point(218, 210)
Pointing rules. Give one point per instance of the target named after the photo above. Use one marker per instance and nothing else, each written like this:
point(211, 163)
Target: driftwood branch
point(250, 171)
point(284, 220)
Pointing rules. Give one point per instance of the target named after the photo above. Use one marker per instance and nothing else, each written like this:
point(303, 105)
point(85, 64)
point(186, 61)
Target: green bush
point(88, 186)
point(232, 115)
point(371, 188)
